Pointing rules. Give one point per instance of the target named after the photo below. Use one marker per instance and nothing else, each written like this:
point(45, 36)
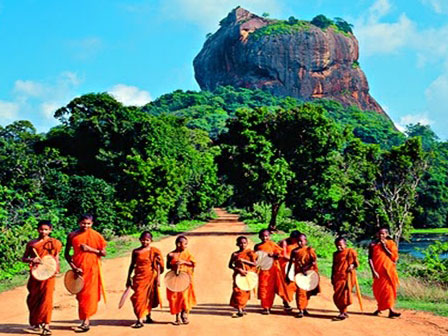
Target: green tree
point(322, 21)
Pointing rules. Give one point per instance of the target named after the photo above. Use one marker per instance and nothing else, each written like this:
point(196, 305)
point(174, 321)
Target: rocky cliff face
point(303, 61)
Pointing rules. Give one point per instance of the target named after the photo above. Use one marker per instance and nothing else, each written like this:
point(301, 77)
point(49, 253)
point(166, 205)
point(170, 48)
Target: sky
point(54, 51)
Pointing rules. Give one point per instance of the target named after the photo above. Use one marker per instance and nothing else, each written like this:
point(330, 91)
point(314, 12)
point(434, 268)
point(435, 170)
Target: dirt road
point(211, 245)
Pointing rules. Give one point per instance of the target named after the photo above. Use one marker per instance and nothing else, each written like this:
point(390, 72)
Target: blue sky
point(56, 50)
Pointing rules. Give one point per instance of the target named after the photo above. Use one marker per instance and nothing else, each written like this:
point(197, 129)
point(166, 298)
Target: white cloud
point(130, 95)
point(8, 111)
point(38, 100)
point(408, 119)
point(208, 13)
point(439, 6)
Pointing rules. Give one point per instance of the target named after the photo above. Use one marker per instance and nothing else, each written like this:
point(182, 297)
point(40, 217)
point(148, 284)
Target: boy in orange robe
point(241, 261)
point(40, 297)
point(272, 281)
point(343, 276)
point(181, 260)
point(303, 258)
point(383, 254)
point(88, 248)
point(288, 245)
point(147, 265)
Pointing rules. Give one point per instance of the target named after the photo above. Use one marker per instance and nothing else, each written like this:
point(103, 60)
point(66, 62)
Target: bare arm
point(29, 256)
point(131, 269)
point(68, 257)
point(372, 268)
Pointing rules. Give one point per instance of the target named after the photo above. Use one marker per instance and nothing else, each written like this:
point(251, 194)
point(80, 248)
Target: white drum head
point(45, 270)
point(264, 262)
point(247, 282)
point(291, 275)
point(177, 282)
point(307, 282)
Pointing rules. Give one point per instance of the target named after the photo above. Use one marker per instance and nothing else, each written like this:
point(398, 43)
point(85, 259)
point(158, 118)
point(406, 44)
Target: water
point(422, 241)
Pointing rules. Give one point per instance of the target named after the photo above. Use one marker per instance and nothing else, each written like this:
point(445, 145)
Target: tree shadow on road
point(218, 233)
point(18, 329)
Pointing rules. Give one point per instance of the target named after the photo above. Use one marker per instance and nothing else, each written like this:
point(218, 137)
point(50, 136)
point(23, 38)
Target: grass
point(116, 247)
point(429, 231)
point(414, 293)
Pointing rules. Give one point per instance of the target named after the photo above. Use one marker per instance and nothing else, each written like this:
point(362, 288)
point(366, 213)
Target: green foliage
point(281, 27)
point(436, 268)
point(343, 25)
point(265, 14)
point(355, 65)
point(322, 21)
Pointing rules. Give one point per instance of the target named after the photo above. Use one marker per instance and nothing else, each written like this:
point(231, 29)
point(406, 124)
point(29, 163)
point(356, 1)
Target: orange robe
point(272, 281)
point(304, 256)
point(291, 287)
point(385, 288)
point(144, 283)
point(343, 282)
point(240, 297)
point(89, 262)
point(40, 297)
point(182, 301)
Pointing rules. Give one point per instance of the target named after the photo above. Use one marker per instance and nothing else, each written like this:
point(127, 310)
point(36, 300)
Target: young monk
point(40, 297)
point(343, 276)
point(181, 260)
point(288, 245)
point(303, 258)
point(88, 248)
point(383, 254)
point(147, 265)
point(241, 262)
point(272, 281)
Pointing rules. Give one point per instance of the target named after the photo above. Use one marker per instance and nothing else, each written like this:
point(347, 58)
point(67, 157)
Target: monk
point(272, 281)
point(383, 254)
point(181, 260)
point(343, 276)
point(288, 245)
point(88, 248)
point(303, 258)
point(241, 261)
point(40, 297)
point(147, 265)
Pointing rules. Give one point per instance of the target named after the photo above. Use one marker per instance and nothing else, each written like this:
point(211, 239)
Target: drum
point(292, 273)
point(46, 269)
point(124, 297)
point(247, 282)
point(73, 282)
point(177, 282)
point(264, 262)
point(307, 282)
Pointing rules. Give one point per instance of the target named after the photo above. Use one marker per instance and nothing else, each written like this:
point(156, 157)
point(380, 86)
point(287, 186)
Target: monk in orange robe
point(383, 254)
point(88, 246)
point(147, 265)
point(303, 258)
point(343, 276)
point(241, 261)
point(272, 281)
point(181, 260)
point(288, 245)
point(40, 297)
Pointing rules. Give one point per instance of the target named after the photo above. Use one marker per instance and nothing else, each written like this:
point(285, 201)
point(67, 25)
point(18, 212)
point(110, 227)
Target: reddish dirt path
point(211, 245)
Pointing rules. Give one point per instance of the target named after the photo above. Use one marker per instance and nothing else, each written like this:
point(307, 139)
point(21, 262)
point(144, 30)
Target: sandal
point(137, 325)
point(236, 315)
point(393, 314)
point(184, 317)
point(176, 323)
point(149, 320)
point(82, 328)
point(299, 315)
point(265, 312)
point(33, 330)
point(46, 332)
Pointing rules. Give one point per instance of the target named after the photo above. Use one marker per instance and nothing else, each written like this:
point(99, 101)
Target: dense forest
point(177, 157)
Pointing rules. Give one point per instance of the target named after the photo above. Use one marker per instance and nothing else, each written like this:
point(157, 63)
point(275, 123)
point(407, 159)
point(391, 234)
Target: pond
point(422, 241)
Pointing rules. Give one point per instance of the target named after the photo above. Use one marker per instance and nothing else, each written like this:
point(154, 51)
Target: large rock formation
point(303, 61)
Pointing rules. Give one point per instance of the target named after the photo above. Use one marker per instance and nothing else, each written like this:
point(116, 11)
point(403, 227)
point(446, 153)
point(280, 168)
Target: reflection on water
point(422, 241)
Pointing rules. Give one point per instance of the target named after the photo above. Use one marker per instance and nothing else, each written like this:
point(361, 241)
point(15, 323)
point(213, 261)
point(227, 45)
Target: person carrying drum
point(243, 264)
point(383, 255)
point(42, 278)
point(147, 265)
point(288, 245)
point(343, 276)
point(271, 280)
point(182, 263)
point(88, 246)
point(304, 259)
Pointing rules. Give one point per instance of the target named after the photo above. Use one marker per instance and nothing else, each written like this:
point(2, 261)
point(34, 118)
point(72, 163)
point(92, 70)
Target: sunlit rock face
point(306, 62)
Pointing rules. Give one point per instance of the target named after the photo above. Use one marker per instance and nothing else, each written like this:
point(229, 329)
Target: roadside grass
point(414, 293)
point(429, 231)
point(116, 247)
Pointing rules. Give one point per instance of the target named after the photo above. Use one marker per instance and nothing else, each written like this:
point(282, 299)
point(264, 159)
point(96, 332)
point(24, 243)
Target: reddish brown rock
point(305, 63)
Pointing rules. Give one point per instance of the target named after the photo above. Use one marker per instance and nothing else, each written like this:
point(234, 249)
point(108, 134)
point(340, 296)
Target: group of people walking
point(291, 255)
